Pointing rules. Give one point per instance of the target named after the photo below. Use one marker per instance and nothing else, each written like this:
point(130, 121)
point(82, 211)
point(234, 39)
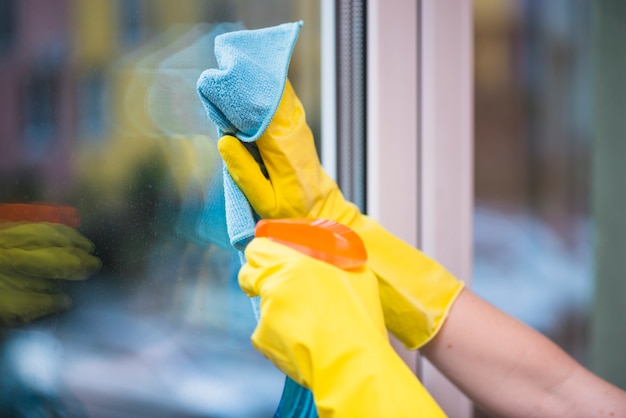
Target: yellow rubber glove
point(324, 328)
point(35, 260)
point(416, 292)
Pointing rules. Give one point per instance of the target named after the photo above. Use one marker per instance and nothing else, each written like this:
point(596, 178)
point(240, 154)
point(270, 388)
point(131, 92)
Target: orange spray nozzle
point(40, 212)
point(323, 239)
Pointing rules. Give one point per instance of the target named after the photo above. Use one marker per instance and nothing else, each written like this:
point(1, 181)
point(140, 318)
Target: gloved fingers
point(29, 235)
point(263, 256)
point(247, 174)
point(18, 308)
point(307, 305)
point(274, 268)
point(290, 112)
point(287, 146)
point(316, 326)
point(29, 284)
point(289, 154)
point(289, 276)
point(51, 263)
point(283, 195)
point(70, 237)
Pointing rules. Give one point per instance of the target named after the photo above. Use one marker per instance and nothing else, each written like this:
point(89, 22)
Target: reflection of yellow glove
point(34, 258)
point(324, 328)
point(416, 292)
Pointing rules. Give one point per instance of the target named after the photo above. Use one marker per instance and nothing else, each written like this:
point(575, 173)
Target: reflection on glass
point(100, 112)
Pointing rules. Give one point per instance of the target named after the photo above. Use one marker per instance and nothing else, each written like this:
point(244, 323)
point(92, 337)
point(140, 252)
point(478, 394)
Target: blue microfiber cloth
point(241, 97)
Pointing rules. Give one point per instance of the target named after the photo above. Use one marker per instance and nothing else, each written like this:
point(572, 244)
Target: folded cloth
point(241, 97)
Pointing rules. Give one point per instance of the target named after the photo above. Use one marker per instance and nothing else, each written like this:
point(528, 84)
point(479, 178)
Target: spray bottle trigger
point(323, 239)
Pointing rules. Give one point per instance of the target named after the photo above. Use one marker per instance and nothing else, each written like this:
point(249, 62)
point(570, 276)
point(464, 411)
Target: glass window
point(123, 142)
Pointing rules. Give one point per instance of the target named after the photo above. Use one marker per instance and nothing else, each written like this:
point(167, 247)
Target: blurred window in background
point(130, 22)
point(99, 111)
point(7, 25)
point(547, 246)
point(93, 106)
point(533, 243)
point(40, 95)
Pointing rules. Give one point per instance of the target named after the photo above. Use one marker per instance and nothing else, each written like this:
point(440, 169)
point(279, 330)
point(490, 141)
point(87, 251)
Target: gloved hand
point(324, 328)
point(416, 292)
point(35, 260)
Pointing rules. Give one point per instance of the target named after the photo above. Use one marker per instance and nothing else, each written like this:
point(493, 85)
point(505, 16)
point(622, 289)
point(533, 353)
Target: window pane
point(100, 113)
point(532, 226)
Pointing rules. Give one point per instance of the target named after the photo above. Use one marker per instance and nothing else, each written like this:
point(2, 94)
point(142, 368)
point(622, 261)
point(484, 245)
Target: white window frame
point(420, 136)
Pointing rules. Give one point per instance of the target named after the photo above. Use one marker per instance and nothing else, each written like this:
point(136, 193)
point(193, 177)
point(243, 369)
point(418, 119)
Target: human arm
point(510, 370)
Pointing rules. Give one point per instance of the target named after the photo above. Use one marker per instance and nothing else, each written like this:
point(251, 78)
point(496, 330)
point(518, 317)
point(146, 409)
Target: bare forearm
point(509, 369)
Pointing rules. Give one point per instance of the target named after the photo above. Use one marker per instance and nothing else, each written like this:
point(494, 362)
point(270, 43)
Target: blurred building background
point(533, 115)
point(548, 227)
point(99, 110)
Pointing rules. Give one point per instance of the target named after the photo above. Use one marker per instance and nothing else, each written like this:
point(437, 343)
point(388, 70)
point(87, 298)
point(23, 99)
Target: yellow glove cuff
point(416, 292)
